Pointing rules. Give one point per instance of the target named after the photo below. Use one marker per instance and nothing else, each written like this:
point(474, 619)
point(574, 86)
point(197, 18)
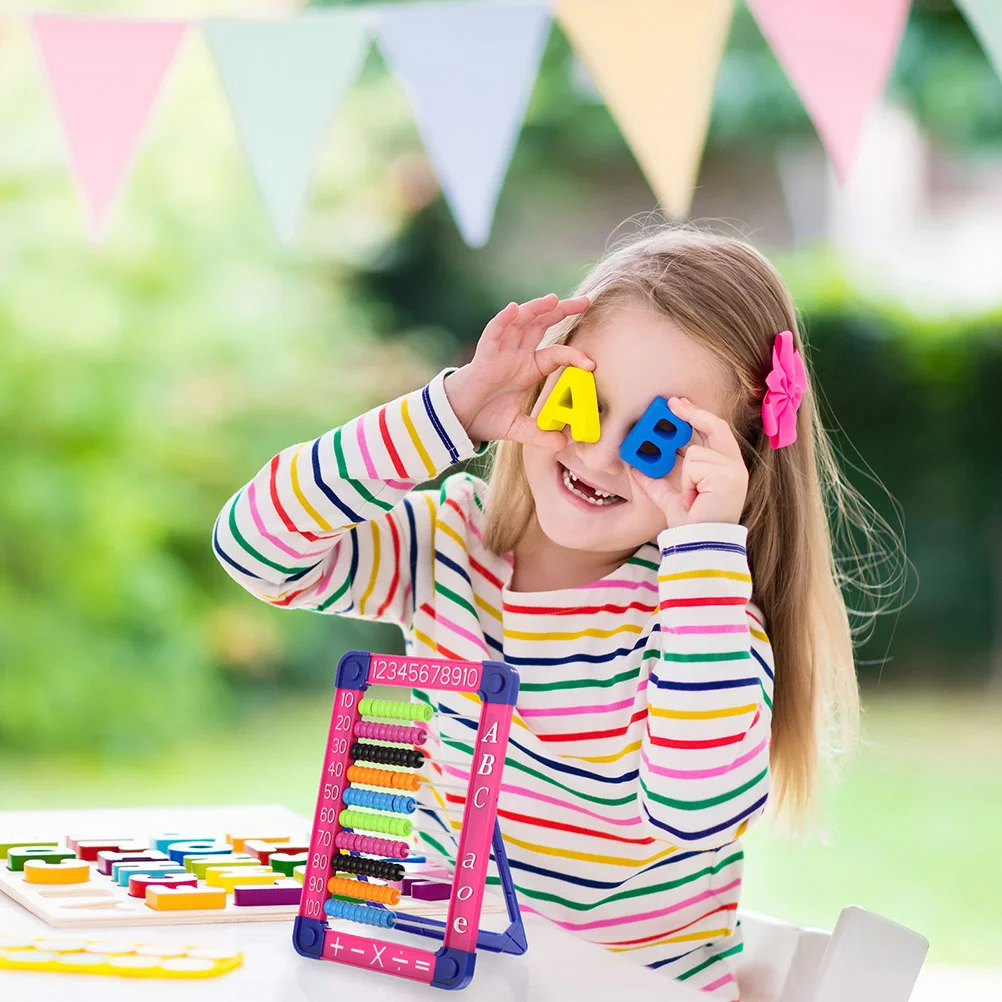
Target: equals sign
point(421, 965)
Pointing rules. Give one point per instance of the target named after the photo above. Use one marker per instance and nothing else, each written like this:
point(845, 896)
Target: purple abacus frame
point(452, 965)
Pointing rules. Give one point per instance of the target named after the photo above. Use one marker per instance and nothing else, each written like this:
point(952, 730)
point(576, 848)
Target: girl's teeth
point(603, 498)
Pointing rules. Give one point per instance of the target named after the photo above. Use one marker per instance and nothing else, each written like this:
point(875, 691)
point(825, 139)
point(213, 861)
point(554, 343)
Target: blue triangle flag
point(468, 69)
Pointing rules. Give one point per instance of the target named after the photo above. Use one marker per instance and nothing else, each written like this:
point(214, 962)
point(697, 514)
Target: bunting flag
point(284, 80)
point(838, 55)
point(105, 76)
point(655, 63)
point(468, 69)
point(985, 19)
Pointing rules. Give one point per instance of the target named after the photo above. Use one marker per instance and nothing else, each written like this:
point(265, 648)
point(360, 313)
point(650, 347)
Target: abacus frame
point(452, 965)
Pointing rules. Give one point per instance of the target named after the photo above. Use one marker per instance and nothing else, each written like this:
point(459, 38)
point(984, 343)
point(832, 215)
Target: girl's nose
point(603, 456)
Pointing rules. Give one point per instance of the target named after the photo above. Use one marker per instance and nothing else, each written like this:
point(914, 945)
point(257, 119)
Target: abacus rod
point(453, 787)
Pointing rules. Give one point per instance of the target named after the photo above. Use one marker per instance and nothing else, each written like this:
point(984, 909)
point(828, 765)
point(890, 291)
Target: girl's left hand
point(714, 481)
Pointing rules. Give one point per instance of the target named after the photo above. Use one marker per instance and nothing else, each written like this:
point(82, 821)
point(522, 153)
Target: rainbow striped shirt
point(640, 745)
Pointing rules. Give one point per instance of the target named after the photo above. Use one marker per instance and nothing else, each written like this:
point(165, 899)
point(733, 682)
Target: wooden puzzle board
point(100, 902)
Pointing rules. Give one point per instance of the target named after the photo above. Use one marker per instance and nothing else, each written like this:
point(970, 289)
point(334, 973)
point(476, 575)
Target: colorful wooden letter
point(286, 862)
point(244, 875)
point(284, 893)
point(572, 401)
point(66, 871)
point(164, 899)
point(239, 842)
point(17, 856)
point(652, 443)
point(138, 882)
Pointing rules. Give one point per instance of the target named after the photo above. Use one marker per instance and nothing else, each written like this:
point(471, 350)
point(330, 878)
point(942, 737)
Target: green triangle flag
point(985, 19)
point(284, 79)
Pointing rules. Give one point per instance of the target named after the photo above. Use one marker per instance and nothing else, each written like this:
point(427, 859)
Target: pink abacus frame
point(452, 965)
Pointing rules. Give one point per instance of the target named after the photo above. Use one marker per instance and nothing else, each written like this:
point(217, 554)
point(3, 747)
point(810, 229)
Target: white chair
point(865, 958)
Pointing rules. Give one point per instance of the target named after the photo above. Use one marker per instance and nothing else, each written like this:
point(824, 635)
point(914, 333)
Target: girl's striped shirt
point(640, 745)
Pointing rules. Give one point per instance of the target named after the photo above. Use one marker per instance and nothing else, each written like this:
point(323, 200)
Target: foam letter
point(654, 439)
point(572, 401)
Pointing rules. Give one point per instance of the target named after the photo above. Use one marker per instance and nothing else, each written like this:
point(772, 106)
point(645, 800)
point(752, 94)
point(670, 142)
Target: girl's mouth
point(583, 492)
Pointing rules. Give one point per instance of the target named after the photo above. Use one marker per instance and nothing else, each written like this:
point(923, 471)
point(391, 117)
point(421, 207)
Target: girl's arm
point(327, 525)
point(704, 760)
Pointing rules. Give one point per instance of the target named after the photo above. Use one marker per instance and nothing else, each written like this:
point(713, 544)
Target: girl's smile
point(585, 492)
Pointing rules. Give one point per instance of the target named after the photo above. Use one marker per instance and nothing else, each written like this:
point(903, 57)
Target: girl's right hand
point(487, 393)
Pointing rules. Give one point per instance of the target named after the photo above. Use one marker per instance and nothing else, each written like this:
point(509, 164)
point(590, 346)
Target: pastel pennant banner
point(468, 69)
point(838, 55)
point(655, 63)
point(284, 80)
point(105, 76)
point(985, 19)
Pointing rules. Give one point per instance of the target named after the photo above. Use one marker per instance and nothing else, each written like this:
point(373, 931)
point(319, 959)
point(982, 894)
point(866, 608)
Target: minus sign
point(356, 950)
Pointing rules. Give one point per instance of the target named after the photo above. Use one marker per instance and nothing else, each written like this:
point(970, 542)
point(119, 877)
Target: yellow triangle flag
point(655, 63)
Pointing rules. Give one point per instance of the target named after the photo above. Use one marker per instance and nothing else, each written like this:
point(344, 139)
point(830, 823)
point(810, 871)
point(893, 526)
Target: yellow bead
point(572, 401)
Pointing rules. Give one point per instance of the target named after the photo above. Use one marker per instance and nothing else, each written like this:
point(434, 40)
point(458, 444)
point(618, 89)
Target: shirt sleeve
point(335, 525)
point(704, 761)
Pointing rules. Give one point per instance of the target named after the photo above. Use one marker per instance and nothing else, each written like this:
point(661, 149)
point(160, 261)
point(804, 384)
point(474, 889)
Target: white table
point(556, 967)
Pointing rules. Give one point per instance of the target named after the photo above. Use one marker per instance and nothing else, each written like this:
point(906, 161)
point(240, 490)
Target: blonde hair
point(730, 299)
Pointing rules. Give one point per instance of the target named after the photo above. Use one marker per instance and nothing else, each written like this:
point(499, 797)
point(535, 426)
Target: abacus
point(358, 805)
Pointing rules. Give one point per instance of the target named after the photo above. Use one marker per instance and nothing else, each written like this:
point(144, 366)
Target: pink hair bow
point(787, 382)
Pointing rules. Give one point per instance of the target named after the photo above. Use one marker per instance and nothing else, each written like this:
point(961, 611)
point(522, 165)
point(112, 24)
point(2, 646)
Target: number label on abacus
point(331, 792)
point(319, 860)
point(458, 675)
point(343, 722)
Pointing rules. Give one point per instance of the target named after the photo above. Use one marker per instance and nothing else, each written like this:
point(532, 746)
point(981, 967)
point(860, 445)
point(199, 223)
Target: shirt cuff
point(449, 428)
point(702, 532)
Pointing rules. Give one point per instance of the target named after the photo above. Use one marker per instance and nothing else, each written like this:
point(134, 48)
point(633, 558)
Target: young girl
point(676, 638)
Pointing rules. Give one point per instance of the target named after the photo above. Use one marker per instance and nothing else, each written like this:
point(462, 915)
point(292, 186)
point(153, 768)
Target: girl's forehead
point(639, 354)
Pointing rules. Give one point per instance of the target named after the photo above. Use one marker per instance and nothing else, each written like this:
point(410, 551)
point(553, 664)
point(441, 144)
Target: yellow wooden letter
point(572, 401)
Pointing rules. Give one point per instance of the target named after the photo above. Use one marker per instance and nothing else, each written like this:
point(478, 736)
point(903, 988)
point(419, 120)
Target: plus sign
point(337, 946)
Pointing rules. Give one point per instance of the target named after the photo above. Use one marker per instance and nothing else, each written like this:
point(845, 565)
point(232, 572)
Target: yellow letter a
point(572, 401)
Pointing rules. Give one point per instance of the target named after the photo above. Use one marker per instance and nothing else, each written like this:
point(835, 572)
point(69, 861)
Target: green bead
point(17, 857)
point(395, 709)
point(366, 822)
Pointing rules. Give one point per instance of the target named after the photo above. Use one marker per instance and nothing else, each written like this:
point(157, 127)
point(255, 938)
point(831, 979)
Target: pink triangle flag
point(105, 76)
point(838, 55)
